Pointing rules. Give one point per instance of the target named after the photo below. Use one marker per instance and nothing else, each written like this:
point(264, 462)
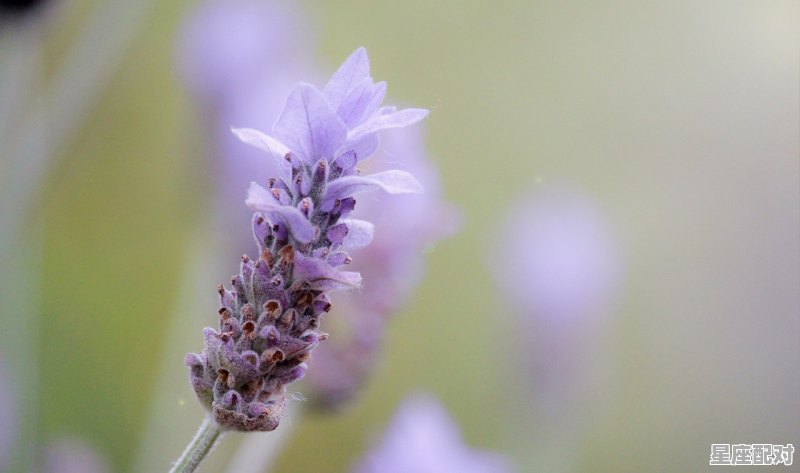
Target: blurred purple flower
point(422, 438)
point(240, 59)
point(268, 321)
point(73, 456)
point(229, 47)
point(559, 266)
point(393, 264)
point(559, 262)
point(8, 418)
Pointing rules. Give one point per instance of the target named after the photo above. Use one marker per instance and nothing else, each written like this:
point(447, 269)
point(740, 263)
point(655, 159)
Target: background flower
point(558, 265)
point(422, 438)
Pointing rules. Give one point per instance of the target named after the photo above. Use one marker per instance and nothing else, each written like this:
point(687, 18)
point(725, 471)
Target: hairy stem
point(200, 446)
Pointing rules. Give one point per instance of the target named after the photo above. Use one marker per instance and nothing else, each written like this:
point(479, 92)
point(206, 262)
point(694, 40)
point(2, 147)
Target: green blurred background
point(681, 118)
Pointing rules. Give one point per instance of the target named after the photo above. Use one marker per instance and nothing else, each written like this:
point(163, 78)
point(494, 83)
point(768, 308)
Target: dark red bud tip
point(273, 355)
point(278, 356)
point(271, 306)
point(287, 252)
point(248, 327)
point(222, 375)
point(245, 259)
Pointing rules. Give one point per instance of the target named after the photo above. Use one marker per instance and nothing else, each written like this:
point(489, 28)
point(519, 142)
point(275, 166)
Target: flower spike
point(268, 321)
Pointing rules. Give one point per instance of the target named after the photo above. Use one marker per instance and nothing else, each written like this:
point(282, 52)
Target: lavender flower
point(229, 48)
point(422, 438)
point(269, 319)
point(564, 265)
point(560, 269)
point(392, 263)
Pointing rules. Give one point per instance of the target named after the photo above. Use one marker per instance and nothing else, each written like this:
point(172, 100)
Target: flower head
point(269, 318)
point(560, 263)
point(422, 438)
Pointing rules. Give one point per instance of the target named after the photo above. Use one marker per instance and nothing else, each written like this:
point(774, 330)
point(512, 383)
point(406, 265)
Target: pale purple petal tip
point(309, 126)
point(275, 148)
point(352, 71)
point(399, 119)
point(360, 233)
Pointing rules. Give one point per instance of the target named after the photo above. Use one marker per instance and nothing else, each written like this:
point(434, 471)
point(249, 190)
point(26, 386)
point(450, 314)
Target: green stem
point(200, 446)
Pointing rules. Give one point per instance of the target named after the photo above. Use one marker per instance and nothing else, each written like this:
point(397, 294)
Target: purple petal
point(363, 147)
point(392, 181)
point(361, 102)
point(360, 233)
point(378, 94)
point(352, 71)
point(337, 233)
point(379, 122)
point(309, 126)
point(275, 148)
point(262, 200)
point(323, 275)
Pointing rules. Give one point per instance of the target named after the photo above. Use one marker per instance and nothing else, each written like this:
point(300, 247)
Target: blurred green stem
point(200, 446)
